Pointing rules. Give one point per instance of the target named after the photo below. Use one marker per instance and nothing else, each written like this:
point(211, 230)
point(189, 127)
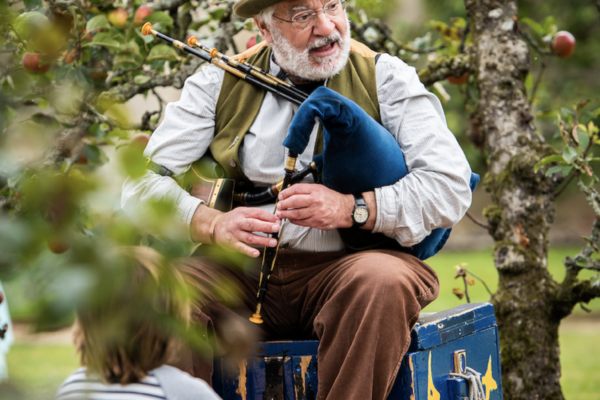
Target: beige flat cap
point(249, 8)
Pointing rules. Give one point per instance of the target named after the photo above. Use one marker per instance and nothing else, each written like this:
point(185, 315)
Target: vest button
point(233, 163)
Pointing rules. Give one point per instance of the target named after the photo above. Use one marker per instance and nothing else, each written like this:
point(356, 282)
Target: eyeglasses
point(307, 19)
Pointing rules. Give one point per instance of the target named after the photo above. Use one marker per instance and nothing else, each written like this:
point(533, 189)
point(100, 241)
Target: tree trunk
point(522, 208)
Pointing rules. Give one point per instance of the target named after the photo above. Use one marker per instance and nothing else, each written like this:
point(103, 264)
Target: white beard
point(298, 63)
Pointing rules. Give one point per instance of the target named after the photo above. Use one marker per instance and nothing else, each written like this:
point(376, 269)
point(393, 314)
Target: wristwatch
point(360, 215)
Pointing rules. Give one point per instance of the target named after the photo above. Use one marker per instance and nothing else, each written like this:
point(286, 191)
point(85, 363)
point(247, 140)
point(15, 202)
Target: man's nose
point(323, 25)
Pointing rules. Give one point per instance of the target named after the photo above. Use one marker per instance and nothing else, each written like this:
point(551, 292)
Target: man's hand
point(235, 228)
point(319, 207)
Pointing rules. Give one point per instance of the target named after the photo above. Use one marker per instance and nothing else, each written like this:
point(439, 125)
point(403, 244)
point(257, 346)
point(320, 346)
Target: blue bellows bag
point(359, 155)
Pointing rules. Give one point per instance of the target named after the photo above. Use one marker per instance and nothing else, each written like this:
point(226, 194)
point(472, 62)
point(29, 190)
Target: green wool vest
point(239, 103)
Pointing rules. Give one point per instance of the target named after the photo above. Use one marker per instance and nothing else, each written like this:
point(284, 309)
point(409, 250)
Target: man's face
point(316, 52)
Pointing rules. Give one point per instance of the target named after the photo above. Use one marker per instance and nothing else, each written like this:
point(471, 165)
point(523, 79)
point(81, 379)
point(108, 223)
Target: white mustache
point(334, 37)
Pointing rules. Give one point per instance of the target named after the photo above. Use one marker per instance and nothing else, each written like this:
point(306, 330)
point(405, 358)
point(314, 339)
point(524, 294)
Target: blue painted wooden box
point(441, 343)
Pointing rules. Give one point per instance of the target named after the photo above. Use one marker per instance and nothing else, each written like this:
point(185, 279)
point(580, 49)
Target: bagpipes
point(355, 145)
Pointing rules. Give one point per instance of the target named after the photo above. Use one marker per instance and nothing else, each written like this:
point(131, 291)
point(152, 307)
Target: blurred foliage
point(65, 66)
point(64, 69)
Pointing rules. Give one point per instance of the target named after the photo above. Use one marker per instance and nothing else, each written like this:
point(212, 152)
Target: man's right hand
point(235, 229)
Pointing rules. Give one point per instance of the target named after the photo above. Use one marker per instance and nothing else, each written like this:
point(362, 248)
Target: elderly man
point(360, 305)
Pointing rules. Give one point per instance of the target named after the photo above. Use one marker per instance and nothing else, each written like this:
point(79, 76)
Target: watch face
point(361, 215)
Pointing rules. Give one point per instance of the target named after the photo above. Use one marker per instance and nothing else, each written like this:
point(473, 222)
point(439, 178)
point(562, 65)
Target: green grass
point(481, 263)
point(580, 364)
point(38, 370)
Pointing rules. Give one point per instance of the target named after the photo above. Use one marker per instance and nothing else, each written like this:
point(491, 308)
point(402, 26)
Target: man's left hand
point(317, 206)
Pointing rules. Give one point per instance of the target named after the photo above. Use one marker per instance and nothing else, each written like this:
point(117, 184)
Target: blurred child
point(126, 335)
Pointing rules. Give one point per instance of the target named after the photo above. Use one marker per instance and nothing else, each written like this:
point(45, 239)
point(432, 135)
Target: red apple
point(563, 44)
point(251, 42)
point(81, 159)
point(87, 35)
point(71, 56)
point(141, 13)
point(58, 245)
point(140, 140)
point(458, 81)
point(118, 17)
point(31, 63)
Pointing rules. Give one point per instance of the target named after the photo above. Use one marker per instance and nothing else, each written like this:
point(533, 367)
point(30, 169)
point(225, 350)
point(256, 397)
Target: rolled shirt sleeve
point(180, 140)
point(435, 193)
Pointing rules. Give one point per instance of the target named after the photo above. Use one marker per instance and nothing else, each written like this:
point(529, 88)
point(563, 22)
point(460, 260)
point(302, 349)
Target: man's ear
point(264, 30)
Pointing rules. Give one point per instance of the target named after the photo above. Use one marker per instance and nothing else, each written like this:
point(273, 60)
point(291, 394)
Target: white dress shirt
point(435, 193)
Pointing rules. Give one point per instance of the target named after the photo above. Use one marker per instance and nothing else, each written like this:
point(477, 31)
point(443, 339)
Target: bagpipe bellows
point(359, 155)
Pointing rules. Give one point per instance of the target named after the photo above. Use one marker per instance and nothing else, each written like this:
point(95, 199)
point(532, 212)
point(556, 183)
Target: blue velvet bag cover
point(359, 154)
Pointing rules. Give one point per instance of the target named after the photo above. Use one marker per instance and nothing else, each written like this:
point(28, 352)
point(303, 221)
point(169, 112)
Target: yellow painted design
point(488, 380)
point(304, 363)
point(241, 390)
point(412, 381)
point(432, 393)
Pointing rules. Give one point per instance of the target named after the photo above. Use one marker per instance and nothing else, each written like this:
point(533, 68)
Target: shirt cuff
point(187, 208)
point(387, 211)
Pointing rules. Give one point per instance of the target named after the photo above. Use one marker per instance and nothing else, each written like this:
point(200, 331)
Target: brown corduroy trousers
point(361, 306)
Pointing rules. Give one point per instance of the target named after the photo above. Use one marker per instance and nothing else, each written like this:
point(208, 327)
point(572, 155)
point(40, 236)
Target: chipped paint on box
point(412, 381)
point(241, 389)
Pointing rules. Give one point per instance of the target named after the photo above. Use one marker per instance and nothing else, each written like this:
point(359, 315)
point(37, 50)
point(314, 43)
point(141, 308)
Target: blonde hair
point(129, 329)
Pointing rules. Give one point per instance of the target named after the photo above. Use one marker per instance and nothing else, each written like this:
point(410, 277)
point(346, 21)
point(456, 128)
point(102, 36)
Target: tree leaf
point(569, 154)
point(159, 17)
point(584, 139)
point(554, 170)
point(533, 25)
point(565, 111)
point(31, 3)
point(125, 60)
point(83, 78)
point(131, 47)
point(10, 112)
point(550, 25)
point(119, 133)
point(141, 79)
point(162, 52)
point(217, 13)
point(64, 75)
point(97, 22)
point(44, 119)
point(548, 160)
point(104, 39)
point(458, 293)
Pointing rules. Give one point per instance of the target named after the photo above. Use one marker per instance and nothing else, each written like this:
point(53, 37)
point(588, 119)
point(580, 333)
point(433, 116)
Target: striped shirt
point(80, 386)
point(434, 194)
